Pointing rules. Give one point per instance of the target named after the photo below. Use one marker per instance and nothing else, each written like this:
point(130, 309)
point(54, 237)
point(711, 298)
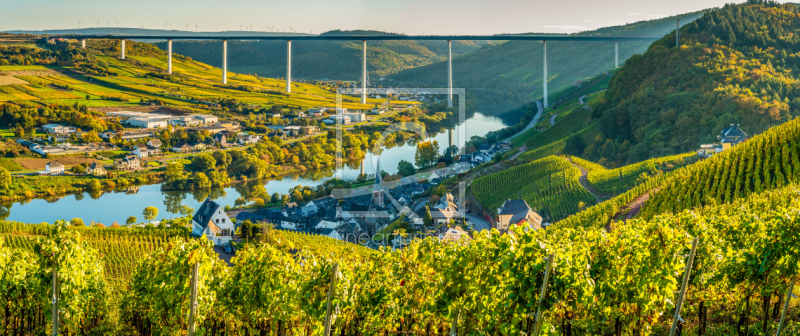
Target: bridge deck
point(521, 37)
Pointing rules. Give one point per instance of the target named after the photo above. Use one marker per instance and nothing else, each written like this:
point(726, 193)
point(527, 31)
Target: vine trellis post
point(543, 294)
point(682, 294)
point(55, 299)
point(785, 306)
point(193, 308)
point(328, 307)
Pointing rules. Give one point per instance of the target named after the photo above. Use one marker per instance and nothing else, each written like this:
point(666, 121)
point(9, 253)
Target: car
point(227, 248)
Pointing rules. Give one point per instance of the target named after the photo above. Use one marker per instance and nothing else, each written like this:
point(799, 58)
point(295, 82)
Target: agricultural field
point(614, 181)
point(120, 248)
point(143, 77)
point(39, 163)
point(550, 186)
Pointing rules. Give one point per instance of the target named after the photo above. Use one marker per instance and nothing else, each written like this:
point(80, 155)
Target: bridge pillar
point(122, 50)
point(83, 43)
point(288, 66)
point(169, 56)
point(450, 76)
point(616, 54)
point(364, 72)
point(224, 61)
point(544, 73)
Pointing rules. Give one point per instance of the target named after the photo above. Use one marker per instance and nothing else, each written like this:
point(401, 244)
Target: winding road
point(533, 122)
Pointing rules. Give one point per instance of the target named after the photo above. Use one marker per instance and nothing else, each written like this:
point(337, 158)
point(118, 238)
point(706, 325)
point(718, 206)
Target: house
point(96, 169)
point(108, 134)
point(319, 204)
point(44, 150)
point(185, 121)
point(154, 143)
point(515, 212)
point(275, 115)
point(339, 119)
point(309, 130)
point(222, 139)
point(135, 135)
point(455, 234)
point(198, 146)
point(130, 162)
point(53, 168)
point(731, 136)
point(143, 151)
point(355, 116)
point(181, 148)
point(59, 129)
point(210, 220)
point(244, 139)
point(205, 118)
point(377, 110)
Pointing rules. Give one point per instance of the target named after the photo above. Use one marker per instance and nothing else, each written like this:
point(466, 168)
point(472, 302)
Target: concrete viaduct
point(364, 38)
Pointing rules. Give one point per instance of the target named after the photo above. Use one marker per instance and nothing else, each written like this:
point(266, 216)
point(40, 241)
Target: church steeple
point(377, 189)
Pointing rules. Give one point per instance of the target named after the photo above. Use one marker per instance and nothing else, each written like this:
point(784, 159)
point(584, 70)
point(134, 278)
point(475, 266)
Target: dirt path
point(520, 151)
point(585, 183)
point(553, 119)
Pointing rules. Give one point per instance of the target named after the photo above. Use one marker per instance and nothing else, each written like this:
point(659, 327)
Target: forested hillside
point(517, 65)
point(736, 65)
point(339, 60)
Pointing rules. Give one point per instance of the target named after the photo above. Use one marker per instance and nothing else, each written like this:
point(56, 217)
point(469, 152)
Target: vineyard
point(622, 282)
point(119, 248)
point(767, 161)
point(614, 181)
point(549, 185)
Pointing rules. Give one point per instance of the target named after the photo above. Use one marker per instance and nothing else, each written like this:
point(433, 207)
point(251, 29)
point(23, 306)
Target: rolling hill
point(736, 65)
point(338, 60)
point(517, 65)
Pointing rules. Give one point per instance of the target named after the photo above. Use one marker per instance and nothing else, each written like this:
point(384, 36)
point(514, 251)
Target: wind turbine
point(98, 24)
point(195, 28)
point(108, 23)
point(170, 26)
point(117, 26)
point(187, 27)
point(79, 25)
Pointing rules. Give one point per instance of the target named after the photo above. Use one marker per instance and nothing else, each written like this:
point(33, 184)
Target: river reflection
point(109, 206)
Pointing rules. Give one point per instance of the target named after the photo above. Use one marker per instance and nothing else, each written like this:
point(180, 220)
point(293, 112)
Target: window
point(217, 220)
point(223, 220)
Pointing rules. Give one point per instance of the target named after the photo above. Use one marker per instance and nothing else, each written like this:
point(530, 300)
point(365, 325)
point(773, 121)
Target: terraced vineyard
point(614, 181)
point(119, 248)
point(550, 186)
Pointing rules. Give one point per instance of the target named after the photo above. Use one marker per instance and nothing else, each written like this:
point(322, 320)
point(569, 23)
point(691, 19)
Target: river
point(109, 207)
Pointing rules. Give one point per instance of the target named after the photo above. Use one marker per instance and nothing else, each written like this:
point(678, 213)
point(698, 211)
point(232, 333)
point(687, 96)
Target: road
point(553, 119)
point(478, 223)
point(533, 122)
point(580, 100)
point(223, 255)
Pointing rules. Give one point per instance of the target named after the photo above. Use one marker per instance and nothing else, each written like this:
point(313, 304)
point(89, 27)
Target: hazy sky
point(401, 16)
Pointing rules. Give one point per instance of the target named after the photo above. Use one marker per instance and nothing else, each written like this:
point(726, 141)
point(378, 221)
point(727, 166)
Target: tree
point(405, 168)
point(239, 202)
point(76, 222)
point(427, 154)
point(174, 171)
point(78, 169)
point(150, 213)
point(5, 178)
point(204, 162)
point(428, 220)
point(575, 145)
point(131, 220)
point(201, 180)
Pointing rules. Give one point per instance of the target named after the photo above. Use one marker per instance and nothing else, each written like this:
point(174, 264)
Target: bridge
point(543, 38)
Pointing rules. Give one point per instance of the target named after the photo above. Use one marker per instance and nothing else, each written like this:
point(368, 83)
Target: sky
point(415, 17)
